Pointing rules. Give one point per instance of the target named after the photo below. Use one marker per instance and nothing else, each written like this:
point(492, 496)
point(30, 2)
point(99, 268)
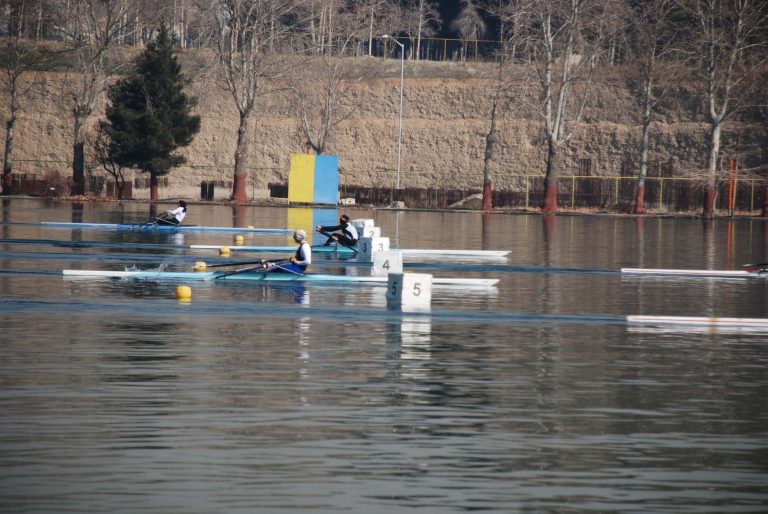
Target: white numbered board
point(412, 290)
point(385, 263)
point(366, 247)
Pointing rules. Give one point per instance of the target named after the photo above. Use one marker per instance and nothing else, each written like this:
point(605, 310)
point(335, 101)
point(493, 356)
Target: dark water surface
point(537, 396)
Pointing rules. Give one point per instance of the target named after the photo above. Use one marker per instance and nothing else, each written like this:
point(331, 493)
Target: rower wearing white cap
point(301, 259)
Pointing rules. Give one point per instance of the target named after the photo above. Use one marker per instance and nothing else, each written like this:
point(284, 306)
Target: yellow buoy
point(239, 240)
point(224, 251)
point(183, 293)
point(200, 266)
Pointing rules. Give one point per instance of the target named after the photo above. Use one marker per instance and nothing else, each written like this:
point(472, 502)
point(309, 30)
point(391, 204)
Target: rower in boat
point(299, 262)
point(175, 216)
point(346, 236)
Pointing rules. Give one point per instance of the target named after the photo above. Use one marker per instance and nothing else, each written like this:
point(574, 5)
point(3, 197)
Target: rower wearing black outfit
point(346, 236)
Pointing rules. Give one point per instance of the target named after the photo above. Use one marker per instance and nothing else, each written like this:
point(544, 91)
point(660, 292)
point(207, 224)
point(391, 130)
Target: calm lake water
point(536, 396)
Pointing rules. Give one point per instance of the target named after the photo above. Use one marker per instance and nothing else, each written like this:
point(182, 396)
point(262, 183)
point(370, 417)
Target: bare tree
point(91, 28)
point(100, 153)
point(469, 24)
point(180, 11)
point(248, 33)
point(761, 100)
point(502, 12)
point(564, 39)
point(322, 23)
point(726, 36)
point(142, 17)
point(322, 86)
point(373, 15)
point(651, 65)
point(324, 95)
point(498, 92)
point(423, 20)
point(20, 58)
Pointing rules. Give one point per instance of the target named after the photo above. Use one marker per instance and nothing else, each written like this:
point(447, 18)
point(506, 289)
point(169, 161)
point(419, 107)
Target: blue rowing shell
point(260, 276)
point(190, 228)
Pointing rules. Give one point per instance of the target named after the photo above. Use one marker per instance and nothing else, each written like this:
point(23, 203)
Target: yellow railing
point(512, 189)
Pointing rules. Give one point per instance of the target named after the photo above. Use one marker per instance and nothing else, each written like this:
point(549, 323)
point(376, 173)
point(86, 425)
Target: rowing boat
point(343, 250)
point(695, 273)
point(258, 276)
point(191, 228)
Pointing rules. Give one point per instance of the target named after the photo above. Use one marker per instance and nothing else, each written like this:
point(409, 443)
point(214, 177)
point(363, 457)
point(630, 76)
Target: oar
point(288, 270)
point(157, 220)
point(259, 268)
point(151, 221)
point(326, 234)
point(241, 270)
point(756, 268)
point(163, 221)
point(243, 263)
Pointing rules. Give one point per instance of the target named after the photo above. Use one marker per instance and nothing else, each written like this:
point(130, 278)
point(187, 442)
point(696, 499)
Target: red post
point(730, 189)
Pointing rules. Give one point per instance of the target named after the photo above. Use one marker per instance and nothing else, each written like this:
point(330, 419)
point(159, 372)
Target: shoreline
point(283, 203)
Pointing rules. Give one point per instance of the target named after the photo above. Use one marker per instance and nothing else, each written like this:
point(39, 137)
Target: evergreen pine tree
point(149, 116)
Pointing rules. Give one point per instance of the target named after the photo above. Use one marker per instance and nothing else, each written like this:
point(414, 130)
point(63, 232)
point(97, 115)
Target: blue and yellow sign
point(314, 179)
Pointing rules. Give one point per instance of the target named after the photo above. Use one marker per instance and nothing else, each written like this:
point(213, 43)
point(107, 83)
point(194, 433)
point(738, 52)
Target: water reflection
point(415, 344)
point(301, 294)
point(240, 216)
point(549, 224)
point(76, 210)
point(76, 216)
point(729, 245)
point(304, 328)
point(177, 239)
point(488, 239)
point(6, 202)
point(409, 357)
point(709, 243)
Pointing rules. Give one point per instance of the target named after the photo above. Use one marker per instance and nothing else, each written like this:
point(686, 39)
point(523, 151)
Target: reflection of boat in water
point(152, 227)
point(694, 273)
point(260, 276)
point(695, 324)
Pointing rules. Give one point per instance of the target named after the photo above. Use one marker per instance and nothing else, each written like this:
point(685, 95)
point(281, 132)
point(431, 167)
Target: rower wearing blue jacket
point(299, 262)
point(346, 236)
